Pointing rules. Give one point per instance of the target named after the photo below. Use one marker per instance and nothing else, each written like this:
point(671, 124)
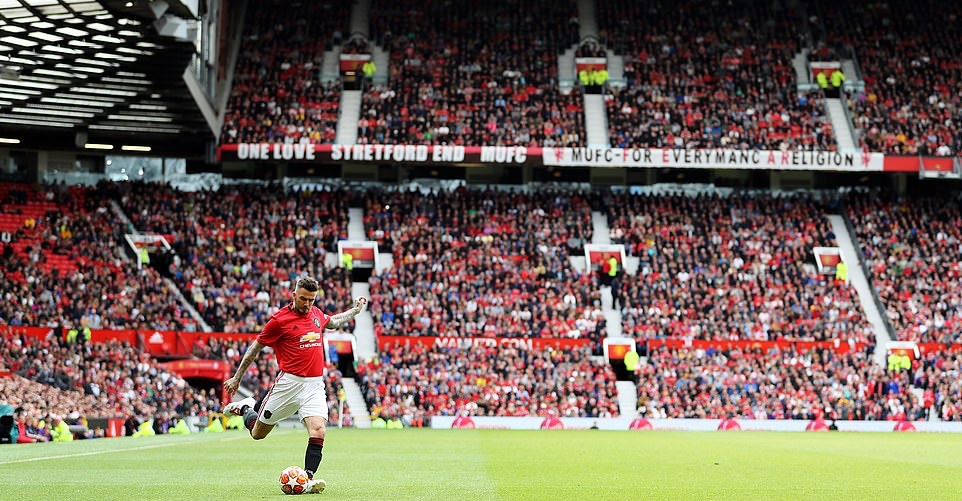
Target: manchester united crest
point(317, 323)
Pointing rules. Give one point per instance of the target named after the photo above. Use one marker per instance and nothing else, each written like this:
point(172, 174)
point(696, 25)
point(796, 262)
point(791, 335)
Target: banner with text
point(570, 157)
point(836, 345)
point(713, 159)
point(387, 342)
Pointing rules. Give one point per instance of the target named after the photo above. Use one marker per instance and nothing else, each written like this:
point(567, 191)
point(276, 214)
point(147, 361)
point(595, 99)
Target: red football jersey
point(297, 340)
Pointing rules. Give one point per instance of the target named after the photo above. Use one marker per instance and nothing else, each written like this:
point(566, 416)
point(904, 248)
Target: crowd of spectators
point(483, 263)
point(66, 269)
point(239, 248)
point(911, 248)
point(937, 374)
point(712, 75)
point(414, 381)
point(277, 95)
point(730, 267)
point(60, 379)
point(488, 78)
point(779, 383)
point(908, 56)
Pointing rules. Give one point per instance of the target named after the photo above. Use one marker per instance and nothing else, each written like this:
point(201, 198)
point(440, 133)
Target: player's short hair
point(307, 283)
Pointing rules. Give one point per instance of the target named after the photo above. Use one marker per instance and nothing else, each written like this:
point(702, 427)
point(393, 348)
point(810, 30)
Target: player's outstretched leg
point(312, 460)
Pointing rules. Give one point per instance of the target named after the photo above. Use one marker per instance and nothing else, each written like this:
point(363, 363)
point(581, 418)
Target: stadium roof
point(99, 68)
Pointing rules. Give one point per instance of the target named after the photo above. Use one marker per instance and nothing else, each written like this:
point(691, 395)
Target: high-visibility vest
point(613, 270)
point(235, 422)
point(631, 361)
point(145, 429)
point(837, 78)
point(61, 432)
point(822, 80)
point(215, 425)
point(584, 77)
point(601, 76)
point(180, 428)
point(841, 272)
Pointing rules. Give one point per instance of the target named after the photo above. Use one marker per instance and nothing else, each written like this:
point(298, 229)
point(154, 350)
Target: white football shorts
point(291, 394)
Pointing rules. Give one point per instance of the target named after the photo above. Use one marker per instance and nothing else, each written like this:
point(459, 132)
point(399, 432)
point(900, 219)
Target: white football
point(293, 480)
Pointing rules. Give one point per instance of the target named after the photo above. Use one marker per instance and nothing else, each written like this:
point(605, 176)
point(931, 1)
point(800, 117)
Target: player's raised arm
point(345, 316)
point(233, 383)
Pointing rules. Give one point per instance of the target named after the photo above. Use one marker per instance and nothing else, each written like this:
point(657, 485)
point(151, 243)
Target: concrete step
point(355, 402)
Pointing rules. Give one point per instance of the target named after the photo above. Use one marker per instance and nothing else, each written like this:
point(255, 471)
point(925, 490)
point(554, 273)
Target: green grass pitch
point(466, 465)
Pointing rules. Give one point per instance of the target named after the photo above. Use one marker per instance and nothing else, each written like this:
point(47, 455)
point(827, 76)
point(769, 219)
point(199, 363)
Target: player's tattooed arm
point(339, 319)
point(233, 383)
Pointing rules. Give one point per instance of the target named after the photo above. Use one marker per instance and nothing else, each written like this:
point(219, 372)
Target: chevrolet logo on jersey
point(310, 336)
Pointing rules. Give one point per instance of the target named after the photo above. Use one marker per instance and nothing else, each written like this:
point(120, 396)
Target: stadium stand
point(482, 263)
point(911, 247)
point(906, 52)
point(64, 267)
point(775, 384)
point(415, 381)
point(277, 95)
point(730, 267)
point(111, 379)
point(709, 76)
point(237, 259)
point(494, 263)
point(490, 78)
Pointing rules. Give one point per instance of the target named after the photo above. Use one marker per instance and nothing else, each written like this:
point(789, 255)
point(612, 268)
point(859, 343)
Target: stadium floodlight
point(76, 102)
point(8, 119)
point(18, 41)
point(15, 97)
point(19, 82)
point(98, 146)
point(130, 147)
point(72, 32)
point(7, 140)
point(49, 37)
point(100, 27)
point(140, 118)
point(49, 111)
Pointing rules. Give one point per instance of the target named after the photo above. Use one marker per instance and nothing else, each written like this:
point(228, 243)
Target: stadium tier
point(731, 267)
point(503, 381)
point(277, 93)
point(586, 209)
point(911, 72)
point(911, 247)
point(490, 78)
point(710, 76)
point(481, 263)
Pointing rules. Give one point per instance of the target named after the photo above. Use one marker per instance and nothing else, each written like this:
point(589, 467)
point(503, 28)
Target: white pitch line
point(95, 453)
